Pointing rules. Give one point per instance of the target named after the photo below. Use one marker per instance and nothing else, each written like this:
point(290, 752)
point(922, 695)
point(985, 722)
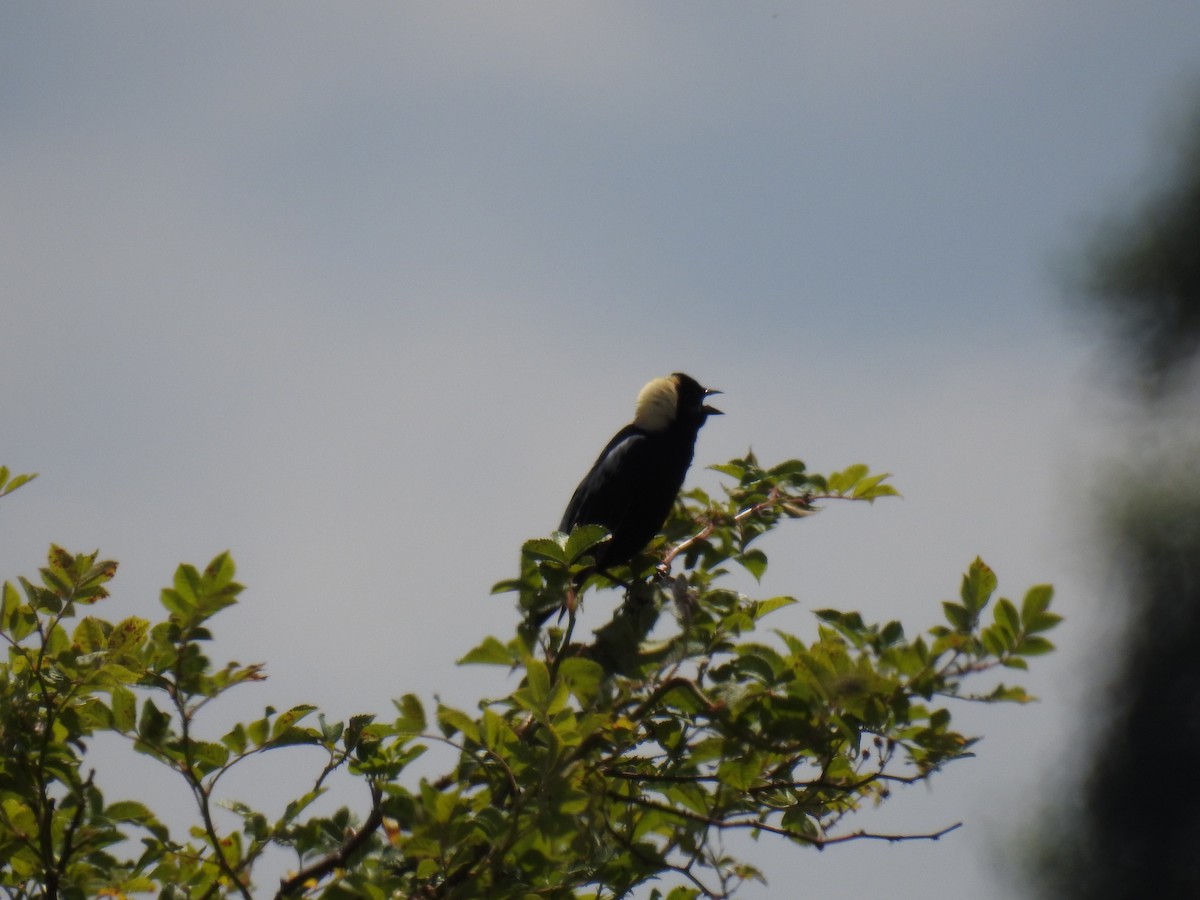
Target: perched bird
point(634, 482)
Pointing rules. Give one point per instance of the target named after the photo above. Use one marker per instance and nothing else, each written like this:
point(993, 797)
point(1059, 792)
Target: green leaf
point(9, 606)
point(89, 634)
point(869, 488)
point(733, 469)
point(290, 718)
point(1006, 616)
point(1034, 646)
point(545, 548)
point(763, 608)
point(583, 677)
point(496, 731)
point(538, 678)
point(583, 538)
point(187, 584)
point(412, 715)
point(1006, 694)
point(841, 482)
point(957, 615)
point(1042, 622)
point(455, 720)
point(297, 806)
point(219, 573)
point(490, 652)
point(154, 724)
point(892, 633)
point(124, 708)
point(176, 604)
point(996, 641)
point(8, 485)
point(1037, 600)
point(741, 772)
point(260, 729)
point(236, 739)
point(208, 756)
point(128, 634)
point(754, 562)
point(978, 584)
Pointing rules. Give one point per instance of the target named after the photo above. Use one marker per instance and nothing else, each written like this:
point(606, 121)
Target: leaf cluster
point(612, 763)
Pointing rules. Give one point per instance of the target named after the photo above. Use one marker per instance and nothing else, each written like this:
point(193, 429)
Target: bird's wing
point(604, 495)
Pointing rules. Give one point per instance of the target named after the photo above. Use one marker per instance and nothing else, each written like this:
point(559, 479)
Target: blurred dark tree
point(1143, 275)
point(1133, 828)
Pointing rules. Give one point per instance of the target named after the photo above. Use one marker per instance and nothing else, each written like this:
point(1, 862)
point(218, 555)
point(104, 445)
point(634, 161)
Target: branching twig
point(756, 825)
point(337, 859)
point(774, 498)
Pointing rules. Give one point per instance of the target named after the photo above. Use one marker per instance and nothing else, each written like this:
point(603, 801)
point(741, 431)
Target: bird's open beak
point(711, 410)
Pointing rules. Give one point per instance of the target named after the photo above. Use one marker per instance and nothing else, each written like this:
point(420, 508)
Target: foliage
point(614, 764)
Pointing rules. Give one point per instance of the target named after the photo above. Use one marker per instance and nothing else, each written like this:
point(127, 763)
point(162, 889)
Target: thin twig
point(756, 825)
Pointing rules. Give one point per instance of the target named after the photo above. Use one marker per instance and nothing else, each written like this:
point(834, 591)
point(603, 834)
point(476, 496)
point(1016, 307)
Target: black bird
point(634, 482)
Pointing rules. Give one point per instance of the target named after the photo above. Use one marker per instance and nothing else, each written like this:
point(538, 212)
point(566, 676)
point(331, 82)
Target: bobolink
point(634, 482)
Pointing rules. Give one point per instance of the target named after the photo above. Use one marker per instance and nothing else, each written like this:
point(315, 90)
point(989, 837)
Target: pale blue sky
point(358, 292)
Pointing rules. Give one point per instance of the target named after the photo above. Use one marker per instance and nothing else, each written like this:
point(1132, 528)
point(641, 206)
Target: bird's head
point(677, 398)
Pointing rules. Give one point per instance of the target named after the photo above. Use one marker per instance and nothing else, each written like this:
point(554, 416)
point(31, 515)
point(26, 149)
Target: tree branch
point(722, 824)
point(336, 860)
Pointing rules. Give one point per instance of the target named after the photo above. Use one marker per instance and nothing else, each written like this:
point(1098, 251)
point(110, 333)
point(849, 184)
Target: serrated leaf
point(208, 756)
point(583, 538)
point(546, 549)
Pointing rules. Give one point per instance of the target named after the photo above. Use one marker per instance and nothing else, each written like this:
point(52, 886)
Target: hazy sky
point(358, 291)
